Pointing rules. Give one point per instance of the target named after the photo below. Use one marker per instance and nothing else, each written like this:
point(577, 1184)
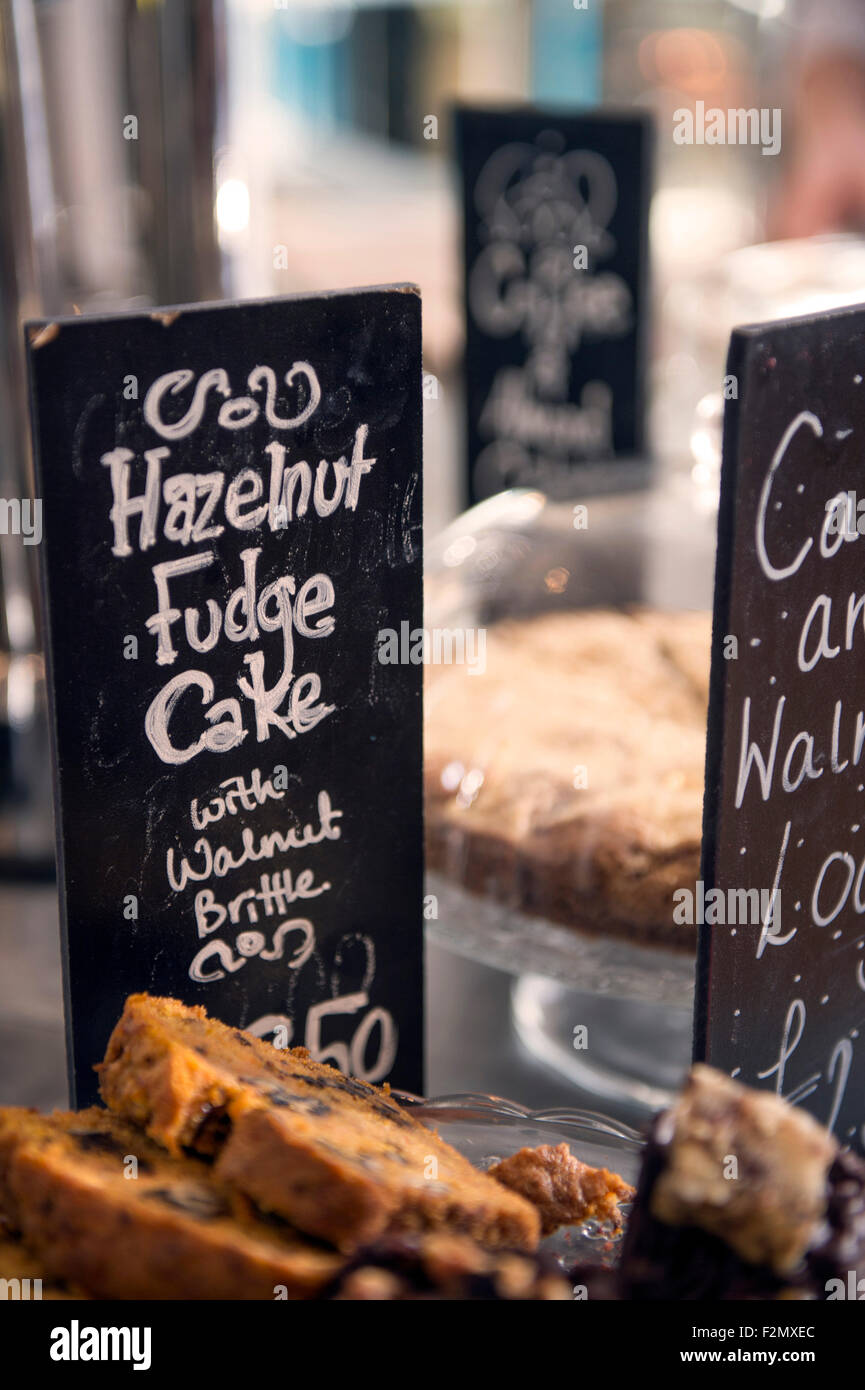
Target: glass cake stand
point(485, 1129)
point(636, 1002)
point(651, 547)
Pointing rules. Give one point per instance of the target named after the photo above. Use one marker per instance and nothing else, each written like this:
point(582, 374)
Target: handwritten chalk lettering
point(303, 710)
point(845, 878)
point(819, 615)
point(771, 571)
point(806, 757)
point(836, 528)
point(214, 959)
point(555, 214)
point(834, 1078)
point(512, 412)
point(279, 607)
point(234, 796)
point(351, 1057)
point(771, 928)
point(794, 1022)
point(347, 953)
point(189, 508)
point(505, 299)
point(839, 881)
point(234, 414)
point(275, 894)
point(220, 861)
point(838, 1072)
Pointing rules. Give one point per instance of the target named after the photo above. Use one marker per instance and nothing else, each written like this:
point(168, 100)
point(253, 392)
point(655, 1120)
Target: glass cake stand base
point(631, 1053)
point(634, 1002)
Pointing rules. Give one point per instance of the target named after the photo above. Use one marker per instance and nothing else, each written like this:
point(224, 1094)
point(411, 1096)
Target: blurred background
point(171, 151)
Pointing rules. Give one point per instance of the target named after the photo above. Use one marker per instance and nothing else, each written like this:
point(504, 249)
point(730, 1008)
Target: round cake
point(564, 773)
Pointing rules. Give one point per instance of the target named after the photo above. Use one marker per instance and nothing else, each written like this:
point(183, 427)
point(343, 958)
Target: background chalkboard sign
point(782, 1003)
point(555, 233)
point(232, 514)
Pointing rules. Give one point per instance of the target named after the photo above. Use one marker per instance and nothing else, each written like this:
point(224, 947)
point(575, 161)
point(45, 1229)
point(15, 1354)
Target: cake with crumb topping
point(565, 779)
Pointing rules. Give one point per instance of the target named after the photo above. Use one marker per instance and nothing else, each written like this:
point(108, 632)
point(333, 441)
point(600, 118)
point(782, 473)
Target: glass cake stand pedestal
point(639, 1050)
point(634, 1003)
point(613, 1017)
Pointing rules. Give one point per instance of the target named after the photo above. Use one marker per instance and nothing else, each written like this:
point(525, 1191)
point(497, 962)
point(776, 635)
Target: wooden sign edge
point(736, 358)
point(38, 331)
point(47, 621)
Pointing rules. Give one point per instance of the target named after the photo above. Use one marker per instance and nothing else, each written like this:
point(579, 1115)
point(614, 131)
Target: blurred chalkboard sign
point(782, 954)
point(232, 516)
point(555, 212)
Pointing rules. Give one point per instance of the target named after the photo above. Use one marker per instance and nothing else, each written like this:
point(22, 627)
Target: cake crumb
point(564, 1190)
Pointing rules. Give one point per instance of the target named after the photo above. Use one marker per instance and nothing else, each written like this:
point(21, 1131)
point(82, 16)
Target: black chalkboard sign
point(232, 517)
point(555, 211)
point(781, 1000)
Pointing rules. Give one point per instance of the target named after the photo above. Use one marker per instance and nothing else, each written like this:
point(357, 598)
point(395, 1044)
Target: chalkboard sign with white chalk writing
point(555, 214)
point(232, 518)
point(781, 999)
